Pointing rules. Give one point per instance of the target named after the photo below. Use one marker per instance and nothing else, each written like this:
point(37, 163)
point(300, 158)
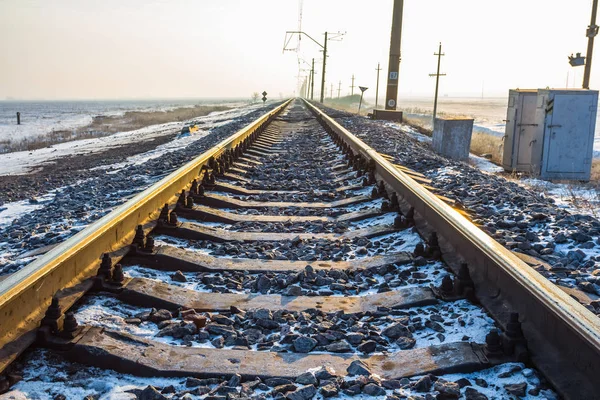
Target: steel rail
point(563, 337)
point(26, 294)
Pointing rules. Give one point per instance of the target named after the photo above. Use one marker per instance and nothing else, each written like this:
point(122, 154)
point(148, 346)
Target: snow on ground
point(484, 164)
point(40, 118)
point(577, 198)
point(24, 162)
point(11, 211)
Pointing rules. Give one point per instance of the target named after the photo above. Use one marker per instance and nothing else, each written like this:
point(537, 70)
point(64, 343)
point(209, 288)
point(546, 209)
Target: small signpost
point(362, 91)
point(264, 98)
point(18, 118)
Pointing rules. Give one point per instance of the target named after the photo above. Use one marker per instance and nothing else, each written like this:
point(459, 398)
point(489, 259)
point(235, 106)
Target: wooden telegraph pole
point(377, 87)
point(437, 75)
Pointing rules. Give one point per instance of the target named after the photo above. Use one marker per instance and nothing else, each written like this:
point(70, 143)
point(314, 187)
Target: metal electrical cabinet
point(550, 132)
point(567, 118)
point(521, 130)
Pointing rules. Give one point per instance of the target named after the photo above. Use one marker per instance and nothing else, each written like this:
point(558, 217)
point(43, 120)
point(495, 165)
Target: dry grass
point(595, 175)
point(483, 144)
point(107, 125)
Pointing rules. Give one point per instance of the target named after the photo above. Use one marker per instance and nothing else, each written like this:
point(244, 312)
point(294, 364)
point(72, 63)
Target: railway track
point(295, 254)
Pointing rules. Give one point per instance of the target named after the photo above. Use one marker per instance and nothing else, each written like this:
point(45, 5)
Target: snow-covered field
point(39, 118)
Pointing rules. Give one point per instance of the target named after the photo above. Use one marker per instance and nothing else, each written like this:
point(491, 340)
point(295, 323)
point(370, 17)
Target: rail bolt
point(394, 204)
point(181, 199)
point(105, 266)
point(194, 187)
point(381, 189)
point(464, 280)
point(419, 250)
point(400, 222)
point(53, 314)
point(372, 179)
point(70, 326)
point(149, 244)
point(447, 286)
point(189, 202)
point(118, 276)
point(493, 344)
point(139, 238)
point(164, 213)
point(433, 247)
point(513, 340)
point(410, 216)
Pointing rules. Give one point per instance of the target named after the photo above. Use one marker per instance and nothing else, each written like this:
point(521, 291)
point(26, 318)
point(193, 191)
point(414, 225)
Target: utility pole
point(308, 84)
point(377, 87)
point(312, 81)
point(331, 91)
point(394, 62)
point(352, 87)
point(437, 75)
point(592, 31)
point(339, 88)
point(324, 63)
point(323, 46)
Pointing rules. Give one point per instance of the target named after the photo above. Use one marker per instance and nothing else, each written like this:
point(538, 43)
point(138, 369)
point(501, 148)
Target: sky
point(114, 49)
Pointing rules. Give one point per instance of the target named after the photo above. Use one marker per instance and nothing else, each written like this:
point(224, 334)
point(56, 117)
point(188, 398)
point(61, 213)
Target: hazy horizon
point(183, 49)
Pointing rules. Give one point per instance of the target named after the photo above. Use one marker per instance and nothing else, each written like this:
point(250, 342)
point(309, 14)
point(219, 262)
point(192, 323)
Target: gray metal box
point(567, 120)
point(452, 137)
point(521, 134)
point(550, 132)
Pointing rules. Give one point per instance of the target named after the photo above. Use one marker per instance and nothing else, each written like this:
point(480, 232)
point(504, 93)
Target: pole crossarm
point(303, 33)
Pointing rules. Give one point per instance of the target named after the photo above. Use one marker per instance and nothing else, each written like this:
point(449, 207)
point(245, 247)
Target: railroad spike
point(173, 218)
point(201, 190)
